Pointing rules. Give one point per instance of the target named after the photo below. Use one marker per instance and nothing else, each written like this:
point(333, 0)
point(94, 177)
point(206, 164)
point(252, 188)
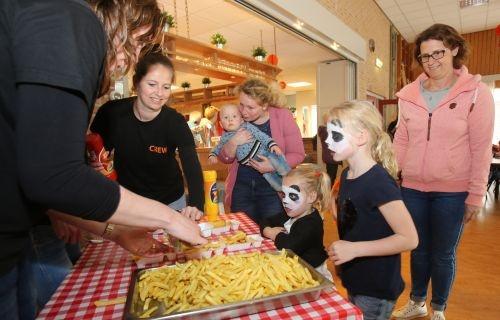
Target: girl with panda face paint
point(372, 219)
point(305, 193)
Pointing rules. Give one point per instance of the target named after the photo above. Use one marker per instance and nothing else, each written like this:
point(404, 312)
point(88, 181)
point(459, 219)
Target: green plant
point(186, 85)
point(206, 80)
point(218, 39)
point(169, 19)
point(259, 51)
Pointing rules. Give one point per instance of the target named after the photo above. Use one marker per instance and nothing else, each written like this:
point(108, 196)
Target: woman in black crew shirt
point(145, 135)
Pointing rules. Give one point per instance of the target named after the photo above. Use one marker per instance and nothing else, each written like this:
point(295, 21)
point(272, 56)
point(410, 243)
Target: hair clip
point(317, 174)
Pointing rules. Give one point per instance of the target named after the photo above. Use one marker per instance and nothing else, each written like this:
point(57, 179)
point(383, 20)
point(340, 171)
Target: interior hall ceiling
point(411, 17)
point(242, 29)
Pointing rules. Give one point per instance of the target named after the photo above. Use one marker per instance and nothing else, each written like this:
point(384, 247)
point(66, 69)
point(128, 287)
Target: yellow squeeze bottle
point(211, 201)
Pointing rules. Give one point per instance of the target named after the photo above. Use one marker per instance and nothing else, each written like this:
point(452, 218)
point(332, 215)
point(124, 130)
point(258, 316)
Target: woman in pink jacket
point(443, 147)
point(246, 189)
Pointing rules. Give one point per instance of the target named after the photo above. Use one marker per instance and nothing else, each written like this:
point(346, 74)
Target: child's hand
point(342, 251)
point(241, 136)
point(276, 150)
point(212, 160)
point(271, 233)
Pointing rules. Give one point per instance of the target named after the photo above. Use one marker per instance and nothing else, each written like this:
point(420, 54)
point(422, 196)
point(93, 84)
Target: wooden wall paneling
point(485, 52)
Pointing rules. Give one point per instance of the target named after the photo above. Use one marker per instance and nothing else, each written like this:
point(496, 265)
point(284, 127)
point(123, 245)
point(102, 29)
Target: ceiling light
point(298, 25)
point(298, 84)
point(472, 3)
point(379, 63)
point(335, 46)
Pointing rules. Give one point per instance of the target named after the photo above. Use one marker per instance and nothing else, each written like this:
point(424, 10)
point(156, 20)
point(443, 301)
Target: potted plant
point(206, 81)
point(169, 21)
point(259, 53)
point(218, 40)
point(186, 85)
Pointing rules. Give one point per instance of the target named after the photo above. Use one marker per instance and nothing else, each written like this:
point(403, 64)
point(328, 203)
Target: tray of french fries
point(223, 286)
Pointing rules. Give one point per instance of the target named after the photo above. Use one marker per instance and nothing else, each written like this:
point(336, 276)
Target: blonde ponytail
point(383, 154)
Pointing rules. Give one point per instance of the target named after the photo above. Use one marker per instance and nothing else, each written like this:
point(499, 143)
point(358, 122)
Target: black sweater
point(305, 237)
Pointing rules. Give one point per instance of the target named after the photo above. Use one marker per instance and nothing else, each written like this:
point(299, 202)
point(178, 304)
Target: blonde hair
point(262, 92)
point(314, 180)
point(229, 105)
point(362, 115)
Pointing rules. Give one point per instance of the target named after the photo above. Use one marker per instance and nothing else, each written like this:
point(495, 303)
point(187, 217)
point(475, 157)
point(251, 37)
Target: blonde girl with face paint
point(306, 193)
point(373, 223)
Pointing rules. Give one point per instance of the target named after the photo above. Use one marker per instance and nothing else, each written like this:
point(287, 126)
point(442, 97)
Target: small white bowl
point(255, 240)
point(206, 229)
point(235, 224)
point(206, 233)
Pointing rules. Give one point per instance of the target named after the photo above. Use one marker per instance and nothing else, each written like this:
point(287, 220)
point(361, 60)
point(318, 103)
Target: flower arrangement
point(169, 20)
point(186, 85)
point(206, 81)
point(218, 39)
point(259, 52)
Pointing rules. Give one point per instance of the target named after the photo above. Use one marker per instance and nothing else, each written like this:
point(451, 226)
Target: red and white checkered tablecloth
point(104, 271)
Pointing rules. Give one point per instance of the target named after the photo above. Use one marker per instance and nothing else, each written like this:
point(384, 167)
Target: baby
point(261, 145)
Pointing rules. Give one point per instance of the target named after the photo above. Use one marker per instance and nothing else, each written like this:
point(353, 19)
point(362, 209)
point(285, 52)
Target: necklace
point(137, 113)
point(141, 117)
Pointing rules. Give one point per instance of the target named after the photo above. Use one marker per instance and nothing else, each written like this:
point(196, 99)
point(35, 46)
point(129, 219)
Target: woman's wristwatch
point(108, 230)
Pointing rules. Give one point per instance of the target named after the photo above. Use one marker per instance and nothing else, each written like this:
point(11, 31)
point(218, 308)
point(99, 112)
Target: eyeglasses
point(346, 218)
point(436, 55)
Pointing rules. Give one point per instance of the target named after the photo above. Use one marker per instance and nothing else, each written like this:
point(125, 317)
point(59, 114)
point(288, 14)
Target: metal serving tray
point(134, 306)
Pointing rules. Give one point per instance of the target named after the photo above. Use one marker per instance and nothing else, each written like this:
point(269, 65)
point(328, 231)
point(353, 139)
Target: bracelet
point(108, 230)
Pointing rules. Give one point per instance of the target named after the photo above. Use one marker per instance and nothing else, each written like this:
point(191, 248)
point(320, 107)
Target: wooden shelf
point(198, 58)
point(202, 96)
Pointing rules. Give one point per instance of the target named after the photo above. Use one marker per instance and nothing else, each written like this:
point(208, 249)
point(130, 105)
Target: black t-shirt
point(144, 156)
point(305, 237)
point(51, 60)
point(359, 219)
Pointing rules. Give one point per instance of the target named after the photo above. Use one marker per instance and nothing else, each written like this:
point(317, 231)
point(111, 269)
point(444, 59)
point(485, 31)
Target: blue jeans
point(17, 297)
point(49, 262)
point(179, 203)
point(280, 165)
point(256, 198)
point(438, 217)
point(373, 308)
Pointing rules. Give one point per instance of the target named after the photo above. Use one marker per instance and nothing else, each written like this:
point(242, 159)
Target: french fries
point(222, 279)
point(238, 237)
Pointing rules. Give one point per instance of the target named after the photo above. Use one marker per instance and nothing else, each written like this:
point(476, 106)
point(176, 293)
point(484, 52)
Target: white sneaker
point(411, 310)
point(438, 315)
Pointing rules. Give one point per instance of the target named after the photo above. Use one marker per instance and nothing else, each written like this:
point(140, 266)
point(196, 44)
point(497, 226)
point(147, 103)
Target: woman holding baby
point(246, 189)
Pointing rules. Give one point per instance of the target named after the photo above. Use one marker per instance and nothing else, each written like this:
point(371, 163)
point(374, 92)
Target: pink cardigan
point(286, 134)
point(448, 150)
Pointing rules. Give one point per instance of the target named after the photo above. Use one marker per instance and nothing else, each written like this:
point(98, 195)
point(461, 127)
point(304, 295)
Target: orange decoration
point(282, 85)
point(272, 59)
